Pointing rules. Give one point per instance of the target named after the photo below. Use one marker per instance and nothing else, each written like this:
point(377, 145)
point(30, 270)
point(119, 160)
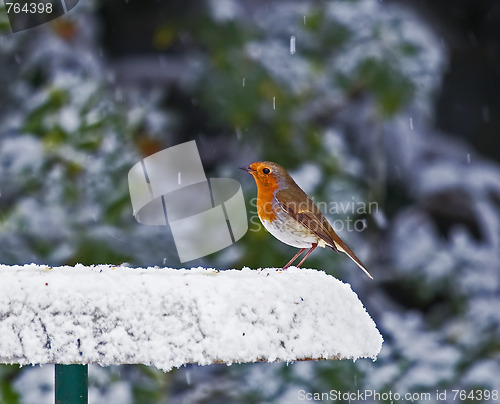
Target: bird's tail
point(343, 247)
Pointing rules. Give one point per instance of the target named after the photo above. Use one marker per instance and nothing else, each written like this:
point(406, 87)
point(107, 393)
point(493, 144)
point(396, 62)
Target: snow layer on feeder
point(167, 317)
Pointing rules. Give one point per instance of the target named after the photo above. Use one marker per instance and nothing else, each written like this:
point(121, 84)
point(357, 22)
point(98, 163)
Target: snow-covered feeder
point(166, 317)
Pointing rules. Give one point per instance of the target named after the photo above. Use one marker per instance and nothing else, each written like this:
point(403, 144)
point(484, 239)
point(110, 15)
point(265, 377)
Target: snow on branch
point(168, 317)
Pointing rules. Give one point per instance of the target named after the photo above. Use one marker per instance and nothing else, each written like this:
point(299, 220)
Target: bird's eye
point(266, 170)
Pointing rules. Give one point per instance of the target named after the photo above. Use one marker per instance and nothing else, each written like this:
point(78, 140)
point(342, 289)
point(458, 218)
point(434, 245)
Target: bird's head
point(269, 175)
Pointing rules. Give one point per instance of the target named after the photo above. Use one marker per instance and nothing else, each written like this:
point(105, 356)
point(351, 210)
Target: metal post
point(71, 384)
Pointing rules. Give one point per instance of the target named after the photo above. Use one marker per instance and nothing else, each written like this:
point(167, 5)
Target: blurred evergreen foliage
point(8, 374)
point(4, 20)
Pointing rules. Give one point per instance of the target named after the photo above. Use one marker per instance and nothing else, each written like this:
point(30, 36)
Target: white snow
point(167, 317)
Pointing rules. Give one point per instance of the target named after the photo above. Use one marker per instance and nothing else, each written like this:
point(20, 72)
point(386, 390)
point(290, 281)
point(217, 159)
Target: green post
point(72, 384)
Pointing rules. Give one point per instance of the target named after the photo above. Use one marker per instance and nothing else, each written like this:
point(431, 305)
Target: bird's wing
point(311, 217)
point(307, 214)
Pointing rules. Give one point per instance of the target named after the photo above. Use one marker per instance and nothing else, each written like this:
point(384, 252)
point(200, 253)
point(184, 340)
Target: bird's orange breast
point(265, 201)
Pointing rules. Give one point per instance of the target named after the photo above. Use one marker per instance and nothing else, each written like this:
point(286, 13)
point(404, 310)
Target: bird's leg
point(294, 258)
point(307, 254)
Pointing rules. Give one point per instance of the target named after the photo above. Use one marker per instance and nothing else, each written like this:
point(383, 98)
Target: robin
point(291, 216)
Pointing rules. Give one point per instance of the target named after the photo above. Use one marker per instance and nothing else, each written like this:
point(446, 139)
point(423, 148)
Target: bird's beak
point(247, 169)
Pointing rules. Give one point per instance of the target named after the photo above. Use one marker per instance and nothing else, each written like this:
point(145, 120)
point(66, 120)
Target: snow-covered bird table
point(169, 317)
